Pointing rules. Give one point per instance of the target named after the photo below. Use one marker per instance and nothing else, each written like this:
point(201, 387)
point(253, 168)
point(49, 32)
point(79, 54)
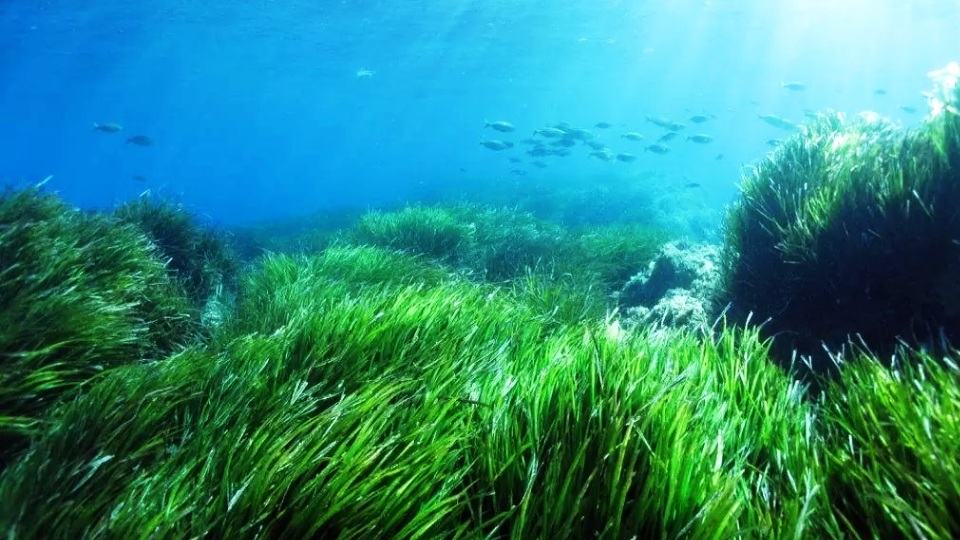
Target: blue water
point(257, 110)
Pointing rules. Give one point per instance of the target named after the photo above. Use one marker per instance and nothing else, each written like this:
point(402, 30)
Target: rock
point(677, 287)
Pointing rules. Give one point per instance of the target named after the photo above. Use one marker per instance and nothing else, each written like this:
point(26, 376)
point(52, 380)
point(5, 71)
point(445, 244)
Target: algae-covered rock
point(677, 309)
point(676, 287)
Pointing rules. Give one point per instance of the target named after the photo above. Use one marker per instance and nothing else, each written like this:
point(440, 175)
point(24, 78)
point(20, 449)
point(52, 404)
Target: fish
point(633, 136)
point(515, 160)
point(109, 127)
point(605, 154)
point(139, 178)
point(496, 145)
point(795, 86)
point(692, 185)
point(578, 134)
point(699, 118)
point(562, 152)
point(519, 172)
point(908, 109)
point(565, 142)
point(501, 126)
point(879, 92)
point(675, 126)
point(777, 122)
point(364, 73)
point(774, 142)
point(625, 157)
point(657, 148)
point(660, 121)
point(719, 157)
point(139, 140)
point(667, 136)
point(538, 151)
point(550, 132)
point(539, 164)
point(596, 145)
point(700, 138)
point(602, 125)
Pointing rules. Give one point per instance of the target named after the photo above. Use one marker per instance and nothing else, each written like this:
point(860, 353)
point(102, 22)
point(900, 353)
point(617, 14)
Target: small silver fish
point(139, 140)
point(579, 134)
point(795, 86)
point(596, 145)
point(501, 126)
point(550, 132)
point(657, 148)
point(660, 121)
point(108, 127)
point(700, 138)
point(496, 145)
point(778, 122)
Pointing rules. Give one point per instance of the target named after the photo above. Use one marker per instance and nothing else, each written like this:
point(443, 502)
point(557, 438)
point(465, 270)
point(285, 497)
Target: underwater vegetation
point(447, 372)
point(200, 257)
point(499, 244)
point(365, 394)
point(849, 233)
point(301, 234)
point(79, 294)
point(572, 274)
point(494, 243)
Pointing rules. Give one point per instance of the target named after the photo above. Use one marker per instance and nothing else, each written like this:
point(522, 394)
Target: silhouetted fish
point(139, 140)
point(501, 126)
point(109, 127)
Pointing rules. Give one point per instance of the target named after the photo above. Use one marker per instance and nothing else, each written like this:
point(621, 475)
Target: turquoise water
point(267, 109)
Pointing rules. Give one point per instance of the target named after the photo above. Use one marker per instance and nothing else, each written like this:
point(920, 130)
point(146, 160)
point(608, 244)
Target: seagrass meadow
point(850, 229)
point(463, 371)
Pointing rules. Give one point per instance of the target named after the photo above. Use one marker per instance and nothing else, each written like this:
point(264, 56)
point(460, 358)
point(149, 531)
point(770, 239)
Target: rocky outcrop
point(676, 288)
